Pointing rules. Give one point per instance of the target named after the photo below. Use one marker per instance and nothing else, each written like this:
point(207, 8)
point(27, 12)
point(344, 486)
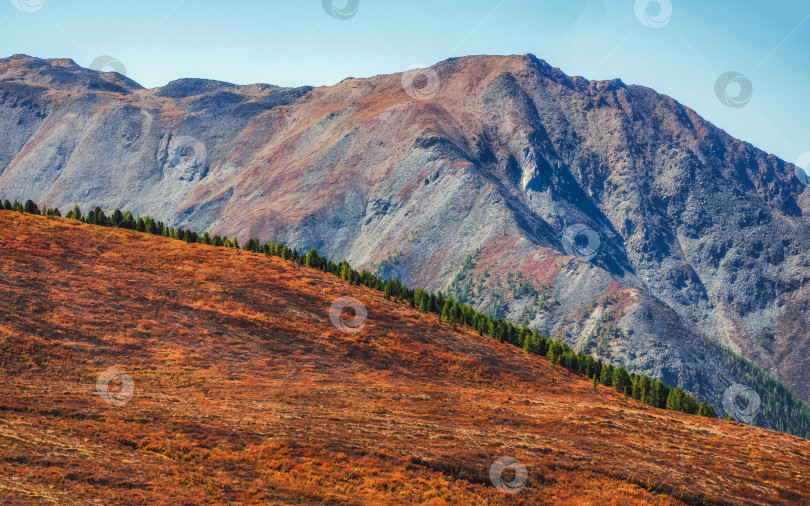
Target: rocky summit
point(602, 213)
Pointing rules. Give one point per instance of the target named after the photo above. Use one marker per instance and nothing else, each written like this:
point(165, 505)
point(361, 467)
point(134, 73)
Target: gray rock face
point(699, 234)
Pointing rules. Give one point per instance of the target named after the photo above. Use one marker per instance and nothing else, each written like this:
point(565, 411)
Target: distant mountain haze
point(483, 176)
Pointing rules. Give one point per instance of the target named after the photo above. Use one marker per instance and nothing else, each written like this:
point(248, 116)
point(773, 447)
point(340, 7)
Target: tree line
point(780, 406)
point(125, 220)
point(641, 387)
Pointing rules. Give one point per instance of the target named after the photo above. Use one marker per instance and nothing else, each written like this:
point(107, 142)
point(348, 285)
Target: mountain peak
point(527, 64)
point(63, 74)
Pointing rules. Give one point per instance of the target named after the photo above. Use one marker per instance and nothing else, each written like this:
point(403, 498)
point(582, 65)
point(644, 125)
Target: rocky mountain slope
point(464, 178)
point(138, 369)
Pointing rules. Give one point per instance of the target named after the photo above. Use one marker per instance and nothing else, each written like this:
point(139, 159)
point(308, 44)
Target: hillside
point(243, 391)
point(702, 238)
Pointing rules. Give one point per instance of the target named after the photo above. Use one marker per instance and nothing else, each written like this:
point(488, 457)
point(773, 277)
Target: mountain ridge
point(507, 153)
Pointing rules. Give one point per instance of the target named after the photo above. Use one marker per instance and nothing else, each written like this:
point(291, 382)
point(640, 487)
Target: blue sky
point(297, 42)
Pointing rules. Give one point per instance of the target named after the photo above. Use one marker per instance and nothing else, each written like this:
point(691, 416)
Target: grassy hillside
point(242, 390)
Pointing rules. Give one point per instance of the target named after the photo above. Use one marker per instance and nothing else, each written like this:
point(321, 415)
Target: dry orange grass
point(245, 393)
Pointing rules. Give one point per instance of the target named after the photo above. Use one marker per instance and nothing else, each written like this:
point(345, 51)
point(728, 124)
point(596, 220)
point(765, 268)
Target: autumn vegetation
point(246, 393)
point(641, 387)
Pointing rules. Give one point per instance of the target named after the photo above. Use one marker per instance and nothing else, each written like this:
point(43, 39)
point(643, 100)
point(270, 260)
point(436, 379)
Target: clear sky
point(677, 47)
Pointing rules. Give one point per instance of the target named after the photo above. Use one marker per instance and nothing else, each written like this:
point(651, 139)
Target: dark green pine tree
point(606, 376)
point(101, 218)
point(447, 310)
point(30, 207)
point(532, 343)
point(679, 400)
point(129, 221)
point(705, 409)
point(76, 213)
point(622, 381)
point(423, 305)
point(117, 218)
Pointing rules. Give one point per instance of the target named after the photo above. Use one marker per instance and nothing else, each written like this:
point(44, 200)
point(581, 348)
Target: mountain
point(693, 244)
point(141, 369)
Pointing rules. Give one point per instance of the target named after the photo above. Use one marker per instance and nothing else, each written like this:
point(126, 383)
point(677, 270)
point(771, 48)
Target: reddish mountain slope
point(243, 391)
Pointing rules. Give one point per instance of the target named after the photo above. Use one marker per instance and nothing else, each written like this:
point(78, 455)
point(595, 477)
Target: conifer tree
point(97, 217)
point(312, 259)
point(30, 207)
point(622, 381)
point(447, 310)
point(129, 221)
point(117, 218)
point(532, 343)
point(606, 376)
point(679, 400)
point(432, 303)
point(705, 409)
